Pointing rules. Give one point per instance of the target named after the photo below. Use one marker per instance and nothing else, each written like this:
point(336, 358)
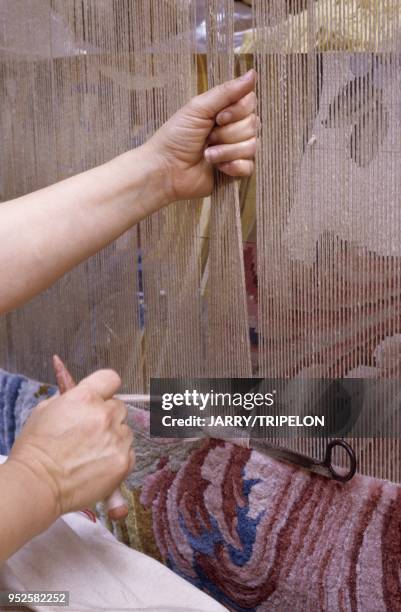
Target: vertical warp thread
point(327, 200)
point(228, 335)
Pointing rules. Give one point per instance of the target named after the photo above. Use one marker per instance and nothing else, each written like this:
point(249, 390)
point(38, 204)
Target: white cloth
point(82, 557)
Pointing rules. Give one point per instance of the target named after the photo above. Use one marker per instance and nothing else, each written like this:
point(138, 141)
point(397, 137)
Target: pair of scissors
point(323, 468)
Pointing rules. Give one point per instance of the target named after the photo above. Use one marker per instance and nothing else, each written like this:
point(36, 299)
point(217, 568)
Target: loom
point(307, 254)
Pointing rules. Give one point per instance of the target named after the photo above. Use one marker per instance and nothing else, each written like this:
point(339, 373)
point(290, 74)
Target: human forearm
point(26, 508)
point(48, 232)
point(45, 234)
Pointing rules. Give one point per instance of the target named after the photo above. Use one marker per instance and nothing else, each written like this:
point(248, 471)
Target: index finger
point(105, 383)
point(214, 100)
point(241, 109)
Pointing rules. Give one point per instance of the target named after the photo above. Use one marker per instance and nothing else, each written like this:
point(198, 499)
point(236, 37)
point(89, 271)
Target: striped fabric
point(18, 395)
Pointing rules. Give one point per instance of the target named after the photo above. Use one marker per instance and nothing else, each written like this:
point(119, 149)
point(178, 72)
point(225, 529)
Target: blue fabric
point(18, 396)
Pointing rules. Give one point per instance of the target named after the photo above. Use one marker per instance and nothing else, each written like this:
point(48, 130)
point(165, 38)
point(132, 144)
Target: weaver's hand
point(77, 444)
point(215, 128)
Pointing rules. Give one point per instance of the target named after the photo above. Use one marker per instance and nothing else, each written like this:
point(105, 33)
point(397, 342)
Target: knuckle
point(225, 87)
point(86, 394)
point(123, 462)
point(194, 102)
point(251, 146)
point(195, 105)
point(116, 405)
point(103, 419)
point(130, 435)
point(243, 167)
point(243, 105)
point(119, 409)
point(248, 168)
point(127, 435)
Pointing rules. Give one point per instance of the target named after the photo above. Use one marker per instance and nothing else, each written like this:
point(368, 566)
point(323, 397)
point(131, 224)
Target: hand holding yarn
point(78, 444)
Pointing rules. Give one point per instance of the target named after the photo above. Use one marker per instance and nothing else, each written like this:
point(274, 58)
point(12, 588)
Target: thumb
point(213, 101)
point(103, 382)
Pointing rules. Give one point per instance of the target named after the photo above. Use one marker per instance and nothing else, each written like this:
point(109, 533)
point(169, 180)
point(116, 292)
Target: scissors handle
point(344, 477)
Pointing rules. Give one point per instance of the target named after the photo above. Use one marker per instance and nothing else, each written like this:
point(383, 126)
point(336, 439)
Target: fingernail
point(210, 155)
point(223, 118)
point(248, 75)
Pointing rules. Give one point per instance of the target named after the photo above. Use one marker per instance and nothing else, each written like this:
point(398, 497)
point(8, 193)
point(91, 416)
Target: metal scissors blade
point(323, 468)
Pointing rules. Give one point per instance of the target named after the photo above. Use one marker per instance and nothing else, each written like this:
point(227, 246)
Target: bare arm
point(46, 233)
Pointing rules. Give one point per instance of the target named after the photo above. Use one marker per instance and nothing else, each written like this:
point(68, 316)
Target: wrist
point(145, 175)
point(161, 170)
point(30, 484)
